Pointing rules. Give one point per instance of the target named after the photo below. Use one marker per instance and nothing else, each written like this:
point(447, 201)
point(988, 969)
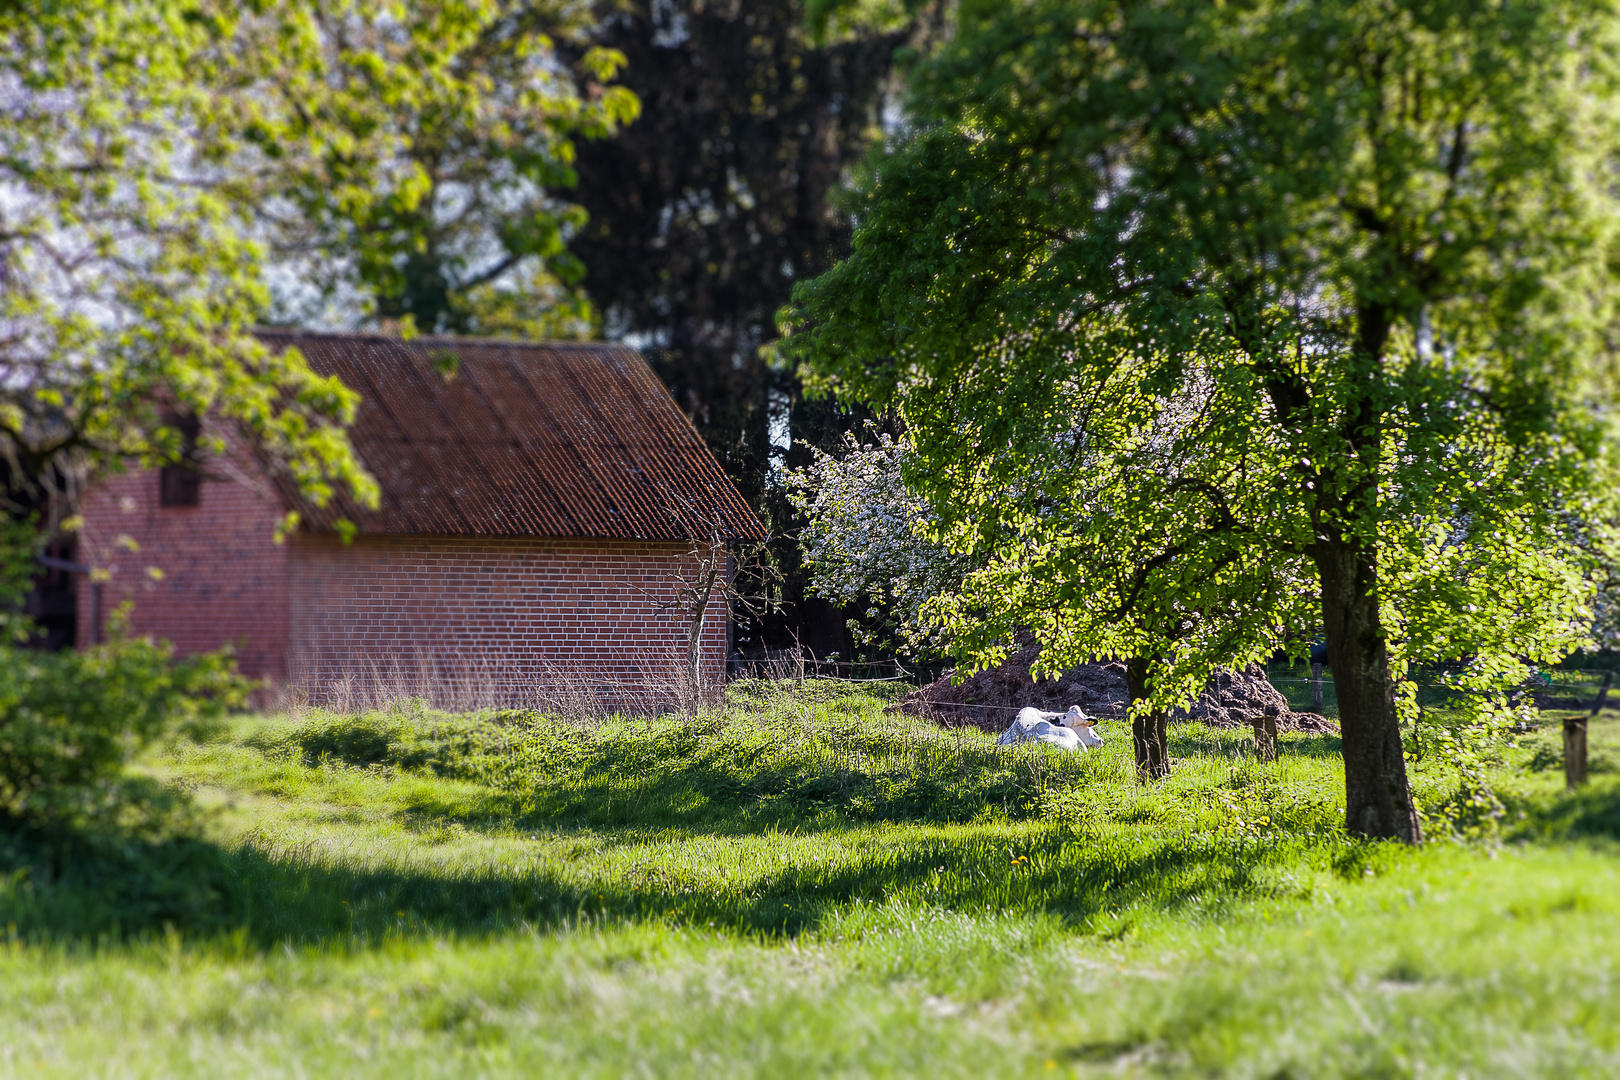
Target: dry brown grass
point(464, 683)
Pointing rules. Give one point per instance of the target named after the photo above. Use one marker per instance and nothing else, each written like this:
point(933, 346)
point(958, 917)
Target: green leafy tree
point(434, 143)
point(129, 267)
point(1379, 229)
point(1120, 525)
point(167, 161)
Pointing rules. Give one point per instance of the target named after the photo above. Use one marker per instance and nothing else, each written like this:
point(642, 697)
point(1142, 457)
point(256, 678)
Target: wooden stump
point(1574, 751)
point(1265, 735)
point(1575, 738)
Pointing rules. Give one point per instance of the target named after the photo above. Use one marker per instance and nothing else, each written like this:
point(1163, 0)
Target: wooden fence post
point(1265, 735)
point(1316, 689)
point(1575, 738)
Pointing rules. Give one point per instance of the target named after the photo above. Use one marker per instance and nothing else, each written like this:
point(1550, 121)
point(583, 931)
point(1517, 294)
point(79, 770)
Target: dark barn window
point(178, 484)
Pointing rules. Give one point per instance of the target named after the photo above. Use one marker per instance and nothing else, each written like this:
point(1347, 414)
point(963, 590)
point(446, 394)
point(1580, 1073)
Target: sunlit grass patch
point(803, 882)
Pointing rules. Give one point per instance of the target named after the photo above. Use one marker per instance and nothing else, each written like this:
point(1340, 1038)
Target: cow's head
point(1075, 718)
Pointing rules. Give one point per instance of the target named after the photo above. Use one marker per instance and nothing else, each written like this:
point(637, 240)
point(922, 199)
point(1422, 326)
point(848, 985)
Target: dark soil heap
point(1232, 699)
point(989, 699)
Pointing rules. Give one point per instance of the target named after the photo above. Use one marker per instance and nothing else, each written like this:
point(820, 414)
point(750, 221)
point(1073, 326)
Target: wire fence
point(1303, 690)
point(1556, 688)
point(801, 664)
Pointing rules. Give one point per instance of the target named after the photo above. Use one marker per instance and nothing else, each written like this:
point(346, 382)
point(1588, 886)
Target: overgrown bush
point(71, 721)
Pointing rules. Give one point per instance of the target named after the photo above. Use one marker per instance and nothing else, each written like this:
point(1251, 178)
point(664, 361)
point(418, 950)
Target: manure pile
point(989, 699)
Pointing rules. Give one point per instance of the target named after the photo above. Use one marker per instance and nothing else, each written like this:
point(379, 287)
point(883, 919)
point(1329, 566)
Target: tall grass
point(468, 682)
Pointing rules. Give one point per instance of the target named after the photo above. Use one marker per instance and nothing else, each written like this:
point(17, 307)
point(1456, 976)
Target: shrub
point(71, 721)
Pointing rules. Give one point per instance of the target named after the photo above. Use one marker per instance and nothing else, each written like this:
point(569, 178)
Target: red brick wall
point(511, 611)
point(504, 610)
point(200, 576)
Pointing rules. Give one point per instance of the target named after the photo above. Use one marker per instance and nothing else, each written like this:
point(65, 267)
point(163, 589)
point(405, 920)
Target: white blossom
point(867, 542)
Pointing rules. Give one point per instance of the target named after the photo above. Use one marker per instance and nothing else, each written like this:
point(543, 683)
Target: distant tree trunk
point(1150, 732)
point(1378, 799)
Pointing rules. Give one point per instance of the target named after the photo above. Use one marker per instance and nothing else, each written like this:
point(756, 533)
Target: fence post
point(1265, 735)
point(1316, 689)
point(1575, 738)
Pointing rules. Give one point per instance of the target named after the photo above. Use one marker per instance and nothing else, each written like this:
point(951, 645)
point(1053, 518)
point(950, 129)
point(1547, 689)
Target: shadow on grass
point(90, 890)
point(104, 884)
point(1590, 812)
point(730, 791)
point(619, 792)
point(1312, 746)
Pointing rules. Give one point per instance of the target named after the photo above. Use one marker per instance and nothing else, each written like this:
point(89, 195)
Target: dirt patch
point(989, 699)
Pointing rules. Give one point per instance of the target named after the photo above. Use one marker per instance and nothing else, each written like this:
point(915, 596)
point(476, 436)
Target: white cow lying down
point(1073, 730)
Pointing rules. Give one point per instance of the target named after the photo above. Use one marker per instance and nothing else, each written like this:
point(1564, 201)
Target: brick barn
point(539, 503)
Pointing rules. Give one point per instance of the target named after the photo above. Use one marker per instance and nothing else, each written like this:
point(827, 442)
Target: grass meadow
point(801, 884)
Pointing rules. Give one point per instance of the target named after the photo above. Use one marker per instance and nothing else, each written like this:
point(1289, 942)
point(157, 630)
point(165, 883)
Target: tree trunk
point(1150, 732)
point(1378, 800)
point(694, 657)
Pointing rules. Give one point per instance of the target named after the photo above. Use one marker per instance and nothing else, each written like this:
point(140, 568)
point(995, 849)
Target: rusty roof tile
point(527, 439)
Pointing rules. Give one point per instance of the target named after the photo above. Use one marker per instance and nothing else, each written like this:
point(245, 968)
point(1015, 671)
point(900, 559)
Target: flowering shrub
point(868, 541)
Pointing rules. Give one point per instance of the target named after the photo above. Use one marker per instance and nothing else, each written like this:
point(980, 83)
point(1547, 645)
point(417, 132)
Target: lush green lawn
point(800, 885)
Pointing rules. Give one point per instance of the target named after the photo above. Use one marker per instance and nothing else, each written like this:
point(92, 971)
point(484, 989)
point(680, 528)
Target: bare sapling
point(717, 578)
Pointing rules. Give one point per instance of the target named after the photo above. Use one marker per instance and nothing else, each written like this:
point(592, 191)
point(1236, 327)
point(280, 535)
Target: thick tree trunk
point(1378, 800)
point(1150, 733)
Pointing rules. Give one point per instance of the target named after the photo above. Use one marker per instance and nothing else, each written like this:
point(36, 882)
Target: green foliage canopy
point(1365, 246)
point(131, 269)
point(428, 146)
point(166, 162)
